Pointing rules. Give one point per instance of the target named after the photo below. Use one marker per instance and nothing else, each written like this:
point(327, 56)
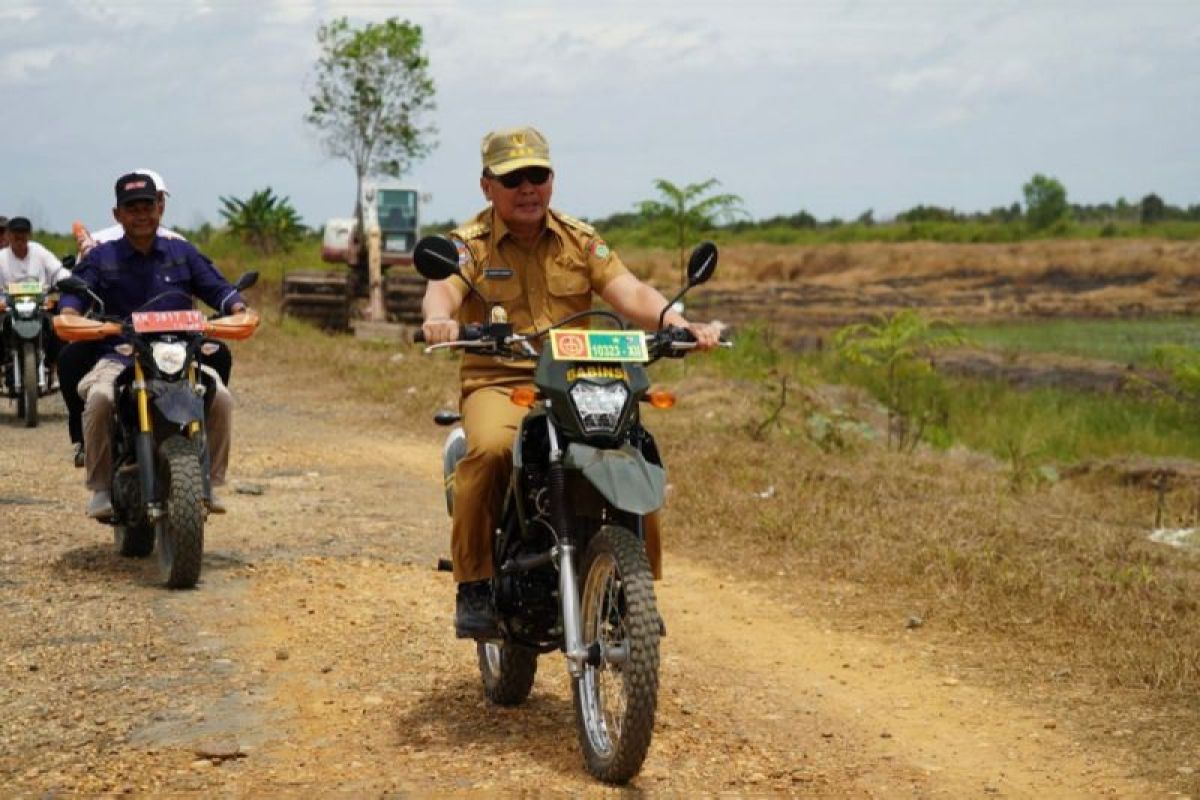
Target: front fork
point(568, 582)
point(144, 446)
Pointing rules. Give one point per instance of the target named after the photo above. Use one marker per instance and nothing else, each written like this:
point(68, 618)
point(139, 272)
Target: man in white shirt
point(25, 261)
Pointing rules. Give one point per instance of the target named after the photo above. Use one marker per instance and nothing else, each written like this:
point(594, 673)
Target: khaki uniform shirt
point(536, 286)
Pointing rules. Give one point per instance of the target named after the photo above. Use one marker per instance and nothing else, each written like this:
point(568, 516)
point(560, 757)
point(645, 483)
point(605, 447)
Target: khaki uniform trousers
point(98, 391)
point(481, 479)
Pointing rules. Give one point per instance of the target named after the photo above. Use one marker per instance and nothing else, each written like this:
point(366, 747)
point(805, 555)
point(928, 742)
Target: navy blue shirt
point(125, 280)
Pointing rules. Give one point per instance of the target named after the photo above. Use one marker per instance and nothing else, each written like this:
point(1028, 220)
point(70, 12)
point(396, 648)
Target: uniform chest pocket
point(502, 286)
point(567, 278)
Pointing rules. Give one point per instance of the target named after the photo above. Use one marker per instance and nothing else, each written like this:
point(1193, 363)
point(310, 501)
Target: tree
point(371, 97)
point(1045, 202)
point(264, 221)
point(687, 210)
point(1153, 209)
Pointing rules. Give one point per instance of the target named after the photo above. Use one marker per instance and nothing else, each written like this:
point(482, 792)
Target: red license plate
point(168, 321)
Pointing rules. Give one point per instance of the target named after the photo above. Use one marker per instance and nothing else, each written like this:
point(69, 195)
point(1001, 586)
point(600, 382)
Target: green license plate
point(25, 287)
point(568, 344)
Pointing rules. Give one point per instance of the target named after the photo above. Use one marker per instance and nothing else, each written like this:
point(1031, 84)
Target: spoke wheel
point(616, 699)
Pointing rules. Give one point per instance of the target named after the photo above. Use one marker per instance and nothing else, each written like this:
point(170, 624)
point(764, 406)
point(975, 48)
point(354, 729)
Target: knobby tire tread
point(641, 674)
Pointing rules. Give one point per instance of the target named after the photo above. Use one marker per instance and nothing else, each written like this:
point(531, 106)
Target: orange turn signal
point(661, 398)
point(523, 396)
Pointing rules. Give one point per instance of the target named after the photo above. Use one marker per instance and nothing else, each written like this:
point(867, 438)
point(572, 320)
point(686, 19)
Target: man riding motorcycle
point(539, 265)
point(143, 271)
point(27, 261)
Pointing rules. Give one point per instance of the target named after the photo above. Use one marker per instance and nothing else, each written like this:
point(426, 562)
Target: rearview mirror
point(247, 280)
point(702, 263)
point(72, 285)
point(436, 258)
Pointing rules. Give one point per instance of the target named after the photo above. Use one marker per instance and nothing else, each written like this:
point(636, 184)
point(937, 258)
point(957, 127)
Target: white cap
point(154, 176)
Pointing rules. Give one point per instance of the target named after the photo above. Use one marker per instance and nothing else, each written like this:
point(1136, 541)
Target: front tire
point(181, 528)
point(615, 700)
point(507, 671)
point(28, 407)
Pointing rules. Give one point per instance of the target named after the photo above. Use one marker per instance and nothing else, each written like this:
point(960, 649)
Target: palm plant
point(264, 221)
point(686, 210)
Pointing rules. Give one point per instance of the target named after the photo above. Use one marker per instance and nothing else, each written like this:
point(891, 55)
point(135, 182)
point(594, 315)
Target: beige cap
point(513, 148)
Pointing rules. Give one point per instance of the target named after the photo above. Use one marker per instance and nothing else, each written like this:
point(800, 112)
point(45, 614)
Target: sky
point(833, 106)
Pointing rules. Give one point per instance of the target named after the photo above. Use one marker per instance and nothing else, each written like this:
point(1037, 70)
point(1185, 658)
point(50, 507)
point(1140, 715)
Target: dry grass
point(869, 262)
point(1055, 593)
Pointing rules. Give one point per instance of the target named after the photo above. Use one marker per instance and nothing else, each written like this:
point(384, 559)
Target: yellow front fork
point(193, 381)
point(143, 398)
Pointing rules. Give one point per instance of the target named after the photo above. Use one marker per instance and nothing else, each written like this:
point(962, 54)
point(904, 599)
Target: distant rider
point(27, 261)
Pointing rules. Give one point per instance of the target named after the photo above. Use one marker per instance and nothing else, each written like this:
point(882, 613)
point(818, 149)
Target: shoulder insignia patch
point(599, 249)
point(464, 254)
point(471, 231)
point(577, 224)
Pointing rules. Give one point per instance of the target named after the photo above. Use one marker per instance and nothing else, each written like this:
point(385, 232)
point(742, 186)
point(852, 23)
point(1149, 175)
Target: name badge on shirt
point(498, 273)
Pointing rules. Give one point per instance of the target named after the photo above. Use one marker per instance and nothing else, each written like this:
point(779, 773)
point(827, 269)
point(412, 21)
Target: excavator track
point(321, 297)
point(403, 290)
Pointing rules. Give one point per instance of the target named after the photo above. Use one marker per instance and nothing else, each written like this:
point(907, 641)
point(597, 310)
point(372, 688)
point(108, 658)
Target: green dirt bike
point(569, 556)
point(24, 326)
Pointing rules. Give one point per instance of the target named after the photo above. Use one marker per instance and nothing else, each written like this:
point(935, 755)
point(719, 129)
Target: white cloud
point(18, 12)
point(20, 66)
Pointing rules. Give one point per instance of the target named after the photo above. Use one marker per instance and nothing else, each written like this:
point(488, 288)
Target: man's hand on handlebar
point(440, 329)
point(706, 334)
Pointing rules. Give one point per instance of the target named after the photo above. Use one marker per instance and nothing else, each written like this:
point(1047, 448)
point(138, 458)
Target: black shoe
point(474, 617)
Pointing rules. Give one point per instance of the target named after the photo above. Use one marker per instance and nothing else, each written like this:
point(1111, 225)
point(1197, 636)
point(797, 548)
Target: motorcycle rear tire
point(134, 541)
point(181, 529)
point(616, 737)
point(507, 671)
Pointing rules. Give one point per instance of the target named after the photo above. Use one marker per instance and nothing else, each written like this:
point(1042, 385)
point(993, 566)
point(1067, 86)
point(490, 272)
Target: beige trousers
point(490, 422)
point(98, 391)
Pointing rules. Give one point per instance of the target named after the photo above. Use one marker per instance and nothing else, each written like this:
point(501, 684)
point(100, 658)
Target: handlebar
point(671, 342)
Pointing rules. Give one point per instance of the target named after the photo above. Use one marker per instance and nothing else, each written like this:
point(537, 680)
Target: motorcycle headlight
point(169, 356)
point(25, 307)
point(599, 405)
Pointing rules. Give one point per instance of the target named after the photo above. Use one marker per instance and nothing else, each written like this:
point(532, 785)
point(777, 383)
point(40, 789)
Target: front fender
point(177, 402)
point(623, 476)
point(27, 328)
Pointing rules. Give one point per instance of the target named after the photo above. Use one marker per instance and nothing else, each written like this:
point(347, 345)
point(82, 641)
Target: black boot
point(474, 617)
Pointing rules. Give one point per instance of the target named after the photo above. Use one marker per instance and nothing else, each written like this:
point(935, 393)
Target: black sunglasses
point(535, 175)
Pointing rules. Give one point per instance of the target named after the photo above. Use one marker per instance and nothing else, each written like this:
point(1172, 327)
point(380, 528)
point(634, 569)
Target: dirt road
point(317, 654)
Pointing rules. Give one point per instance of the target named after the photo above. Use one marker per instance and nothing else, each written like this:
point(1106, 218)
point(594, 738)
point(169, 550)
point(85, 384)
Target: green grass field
point(1129, 341)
